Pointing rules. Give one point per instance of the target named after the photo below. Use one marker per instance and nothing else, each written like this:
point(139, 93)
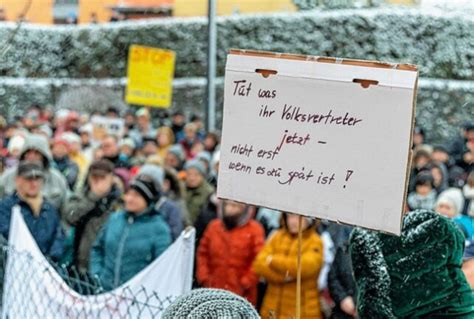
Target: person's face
point(292, 223)
point(418, 139)
point(111, 115)
point(129, 119)
point(440, 156)
point(149, 149)
point(209, 143)
point(437, 176)
point(109, 147)
point(422, 161)
point(446, 210)
point(134, 202)
point(199, 124)
point(423, 190)
point(470, 135)
point(163, 139)
point(28, 187)
point(33, 155)
point(59, 150)
point(178, 120)
point(127, 150)
point(98, 154)
point(143, 121)
point(85, 138)
point(106, 179)
point(10, 132)
point(232, 208)
point(193, 178)
point(166, 185)
point(171, 160)
point(190, 133)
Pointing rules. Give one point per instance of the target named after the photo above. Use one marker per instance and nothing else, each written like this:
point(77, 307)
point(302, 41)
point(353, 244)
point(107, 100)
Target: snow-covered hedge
point(442, 105)
point(441, 43)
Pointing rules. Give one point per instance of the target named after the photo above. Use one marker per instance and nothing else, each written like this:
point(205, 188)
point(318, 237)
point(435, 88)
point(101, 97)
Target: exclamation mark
point(348, 175)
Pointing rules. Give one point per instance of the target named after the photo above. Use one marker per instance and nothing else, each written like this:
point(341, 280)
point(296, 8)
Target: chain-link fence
point(33, 289)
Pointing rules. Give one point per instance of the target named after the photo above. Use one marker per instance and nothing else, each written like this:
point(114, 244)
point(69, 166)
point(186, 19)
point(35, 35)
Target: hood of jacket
point(38, 143)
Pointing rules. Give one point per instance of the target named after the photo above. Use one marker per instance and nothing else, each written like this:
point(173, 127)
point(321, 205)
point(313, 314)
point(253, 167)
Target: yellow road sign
point(150, 76)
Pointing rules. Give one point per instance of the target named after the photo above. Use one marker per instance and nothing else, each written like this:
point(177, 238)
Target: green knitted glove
point(210, 303)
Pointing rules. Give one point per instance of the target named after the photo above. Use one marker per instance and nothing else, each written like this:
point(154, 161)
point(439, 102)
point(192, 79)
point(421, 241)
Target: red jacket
point(225, 257)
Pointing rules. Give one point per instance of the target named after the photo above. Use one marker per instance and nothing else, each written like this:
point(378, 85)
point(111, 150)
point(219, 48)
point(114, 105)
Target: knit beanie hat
point(153, 171)
point(453, 197)
point(177, 150)
point(210, 303)
point(204, 156)
point(196, 164)
point(147, 188)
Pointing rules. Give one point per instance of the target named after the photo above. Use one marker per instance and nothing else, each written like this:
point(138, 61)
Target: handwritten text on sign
point(299, 142)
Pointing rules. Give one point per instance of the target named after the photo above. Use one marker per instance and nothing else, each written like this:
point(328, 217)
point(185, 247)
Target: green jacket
point(196, 198)
point(416, 275)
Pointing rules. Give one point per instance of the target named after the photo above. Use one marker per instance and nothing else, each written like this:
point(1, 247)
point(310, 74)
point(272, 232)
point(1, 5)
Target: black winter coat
point(341, 283)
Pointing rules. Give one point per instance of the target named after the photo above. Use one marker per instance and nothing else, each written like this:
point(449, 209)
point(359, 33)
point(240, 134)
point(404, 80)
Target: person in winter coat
point(175, 157)
point(440, 177)
point(111, 151)
point(174, 189)
point(165, 138)
point(89, 211)
point(421, 161)
point(191, 141)
point(144, 128)
point(62, 162)
point(450, 203)
point(342, 287)
point(227, 250)
point(468, 192)
point(198, 189)
point(40, 216)
point(277, 264)
point(466, 223)
point(424, 196)
point(416, 275)
point(131, 239)
point(462, 148)
point(468, 263)
point(55, 187)
point(169, 210)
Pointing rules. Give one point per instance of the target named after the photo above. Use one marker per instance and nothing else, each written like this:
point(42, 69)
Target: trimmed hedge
point(442, 106)
point(441, 43)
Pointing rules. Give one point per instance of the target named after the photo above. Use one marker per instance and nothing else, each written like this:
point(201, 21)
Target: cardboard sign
point(103, 126)
point(321, 137)
point(150, 76)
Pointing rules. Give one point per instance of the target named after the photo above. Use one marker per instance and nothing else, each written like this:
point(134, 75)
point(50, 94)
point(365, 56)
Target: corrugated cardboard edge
point(410, 151)
point(300, 57)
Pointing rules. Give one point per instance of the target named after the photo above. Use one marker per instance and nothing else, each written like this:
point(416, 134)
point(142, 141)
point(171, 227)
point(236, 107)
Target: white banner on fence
point(42, 293)
point(329, 140)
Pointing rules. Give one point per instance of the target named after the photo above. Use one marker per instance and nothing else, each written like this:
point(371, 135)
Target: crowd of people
point(109, 207)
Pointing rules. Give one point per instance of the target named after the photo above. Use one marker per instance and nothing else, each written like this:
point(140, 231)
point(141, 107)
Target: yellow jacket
point(277, 264)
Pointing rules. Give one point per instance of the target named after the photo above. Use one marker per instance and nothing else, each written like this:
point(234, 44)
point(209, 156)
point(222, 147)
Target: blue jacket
point(172, 216)
point(466, 223)
point(46, 228)
point(126, 245)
